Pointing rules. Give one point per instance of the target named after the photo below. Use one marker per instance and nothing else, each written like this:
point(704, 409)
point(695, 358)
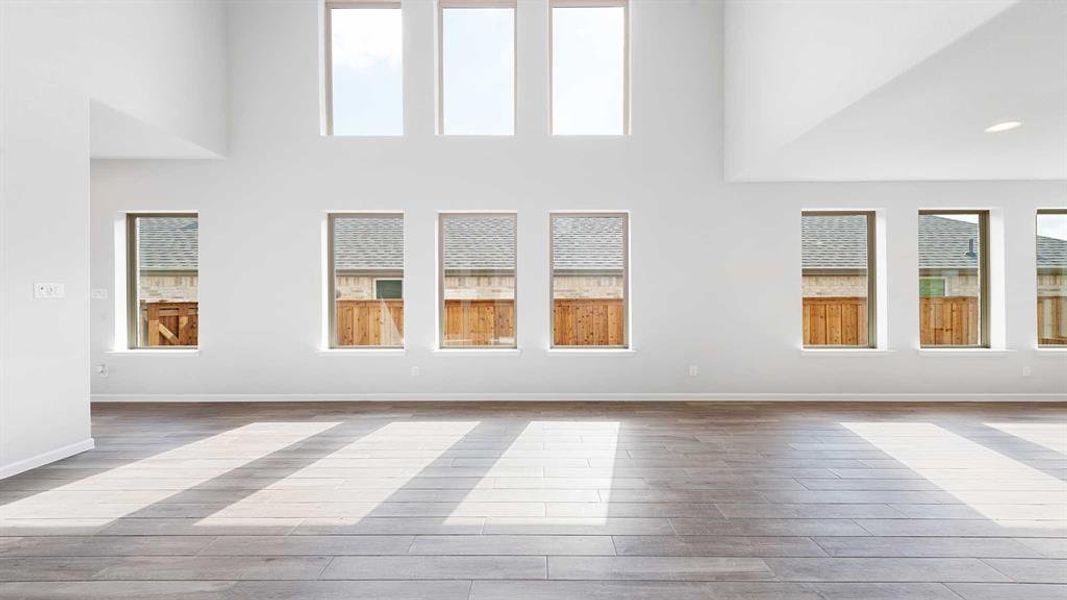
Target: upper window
point(953, 279)
point(364, 68)
point(163, 280)
point(590, 280)
point(477, 63)
point(1052, 277)
point(477, 280)
point(838, 278)
point(590, 67)
point(366, 253)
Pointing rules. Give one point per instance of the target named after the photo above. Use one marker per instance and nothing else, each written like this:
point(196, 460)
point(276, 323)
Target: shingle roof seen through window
point(592, 243)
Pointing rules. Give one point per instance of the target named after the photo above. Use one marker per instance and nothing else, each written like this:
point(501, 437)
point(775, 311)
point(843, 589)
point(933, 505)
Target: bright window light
point(589, 69)
point(366, 73)
point(478, 70)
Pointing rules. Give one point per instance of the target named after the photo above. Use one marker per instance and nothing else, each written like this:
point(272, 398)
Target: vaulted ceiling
point(863, 90)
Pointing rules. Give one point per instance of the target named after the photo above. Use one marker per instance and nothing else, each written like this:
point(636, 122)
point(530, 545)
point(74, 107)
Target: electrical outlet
point(694, 370)
point(1027, 371)
point(101, 370)
point(99, 294)
point(43, 289)
point(414, 371)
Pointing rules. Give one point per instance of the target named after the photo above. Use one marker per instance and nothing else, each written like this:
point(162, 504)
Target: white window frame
point(133, 281)
point(1037, 274)
point(327, 76)
point(985, 292)
point(441, 217)
point(626, 303)
point(331, 279)
point(442, 5)
point(872, 275)
point(625, 5)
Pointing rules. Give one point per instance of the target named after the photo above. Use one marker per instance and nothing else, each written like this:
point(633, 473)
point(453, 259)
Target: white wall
point(716, 266)
point(161, 63)
point(50, 67)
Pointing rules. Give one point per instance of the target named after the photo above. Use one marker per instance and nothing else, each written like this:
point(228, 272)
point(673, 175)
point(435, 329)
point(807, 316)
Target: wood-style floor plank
point(538, 501)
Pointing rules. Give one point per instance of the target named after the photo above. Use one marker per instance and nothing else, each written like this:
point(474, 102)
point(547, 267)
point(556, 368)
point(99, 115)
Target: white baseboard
point(44, 458)
point(581, 397)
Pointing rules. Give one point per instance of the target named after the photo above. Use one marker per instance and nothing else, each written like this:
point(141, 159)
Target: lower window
point(953, 279)
point(477, 280)
point(1052, 278)
point(366, 253)
point(163, 277)
point(590, 280)
point(837, 252)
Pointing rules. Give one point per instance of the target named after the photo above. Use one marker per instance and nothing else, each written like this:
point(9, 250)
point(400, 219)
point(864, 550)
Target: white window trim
point(127, 278)
point(441, 216)
point(327, 57)
point(625, 5)
point(329, 308)
point(627, 304)
point(443, 5)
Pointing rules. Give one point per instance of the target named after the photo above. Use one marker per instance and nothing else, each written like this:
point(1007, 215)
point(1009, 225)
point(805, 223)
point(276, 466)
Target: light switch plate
point(43, 289)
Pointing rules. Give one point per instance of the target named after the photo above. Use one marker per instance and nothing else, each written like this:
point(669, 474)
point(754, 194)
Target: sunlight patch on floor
point(589, 445)
point(1050, 435)
point(953, 463)
point(390, 456)
point(94, 497)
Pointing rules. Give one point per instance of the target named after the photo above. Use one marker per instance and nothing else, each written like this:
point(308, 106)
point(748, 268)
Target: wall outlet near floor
point(1027, 371)
point(101, 370)
point(694, 370)
point(98, 294)
point(44, 289)
point(414, 371)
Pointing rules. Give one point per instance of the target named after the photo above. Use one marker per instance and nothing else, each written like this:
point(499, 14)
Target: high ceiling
point(865, 90)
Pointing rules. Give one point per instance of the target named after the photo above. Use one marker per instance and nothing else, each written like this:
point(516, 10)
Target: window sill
point(171, 352)
point(364, 351)
point(965, 351)
point(867, 352)
point(477, 351)
point(1052, 349)
point(590, 351)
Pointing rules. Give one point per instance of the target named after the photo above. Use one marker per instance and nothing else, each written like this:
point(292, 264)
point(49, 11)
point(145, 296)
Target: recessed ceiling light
point(1005, 126)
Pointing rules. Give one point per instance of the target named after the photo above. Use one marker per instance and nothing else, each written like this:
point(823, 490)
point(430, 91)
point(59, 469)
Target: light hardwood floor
point(548, 500)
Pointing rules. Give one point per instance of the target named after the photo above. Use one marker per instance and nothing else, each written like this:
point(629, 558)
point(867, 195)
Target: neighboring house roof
point(840, 242)
point(580, 243)
point(1051, 252)
point(834, 242)
point(584, 243)
point(483, 243)
point(946, 243)
point(369, 243)
point(167, 243)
